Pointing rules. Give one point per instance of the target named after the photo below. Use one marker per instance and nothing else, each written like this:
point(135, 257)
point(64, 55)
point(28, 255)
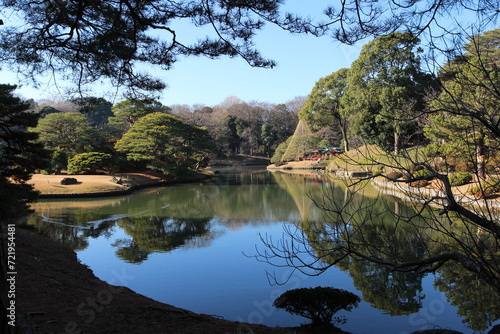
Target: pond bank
point(55, 293)
point(297, 165)
point(433, 191)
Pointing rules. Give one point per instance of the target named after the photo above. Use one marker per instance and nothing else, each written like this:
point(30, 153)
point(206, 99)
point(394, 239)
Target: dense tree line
point(239, 127)
point(127, 132)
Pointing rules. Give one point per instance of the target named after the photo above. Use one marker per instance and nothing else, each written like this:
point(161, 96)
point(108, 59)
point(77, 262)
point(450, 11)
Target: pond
point(193, 246)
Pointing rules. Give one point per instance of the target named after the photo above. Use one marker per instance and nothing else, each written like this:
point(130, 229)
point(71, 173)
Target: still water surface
point(191, 246)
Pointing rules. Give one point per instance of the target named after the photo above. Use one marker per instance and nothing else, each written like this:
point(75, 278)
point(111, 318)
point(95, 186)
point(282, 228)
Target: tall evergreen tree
point(20, 154)
point(325, 104)
point(96, 109)
point(468, 103)
point(387, 86)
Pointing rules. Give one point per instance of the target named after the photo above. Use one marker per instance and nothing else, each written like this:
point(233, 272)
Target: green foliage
point(394, 175)
point(417, 177)
point(65, 130)
point(96, 110)
point(460, 178)
point(464, 166)
point(131, 110)
point(90, 41)
point(421, 173)
point(465, 117)
point(90, 163)
point(280, 150)
point(318, 304)
point(227, 136)
point(20, 154)
point(15, 199)
point(268, 137)
point(166, 144)
point(58, 161)
point(485, 188)
point(386, 88)
point(324, 106)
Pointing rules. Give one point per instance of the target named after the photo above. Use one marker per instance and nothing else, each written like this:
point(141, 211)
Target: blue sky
point(302, 60)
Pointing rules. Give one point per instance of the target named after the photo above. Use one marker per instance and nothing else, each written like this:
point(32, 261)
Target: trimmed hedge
point(394, 175)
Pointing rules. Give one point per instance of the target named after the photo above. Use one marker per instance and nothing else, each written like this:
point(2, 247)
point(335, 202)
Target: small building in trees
point(321, 153)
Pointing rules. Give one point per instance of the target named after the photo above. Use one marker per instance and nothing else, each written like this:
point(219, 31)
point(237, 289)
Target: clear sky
point(302, 60)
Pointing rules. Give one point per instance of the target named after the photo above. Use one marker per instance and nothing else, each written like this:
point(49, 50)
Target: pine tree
point(20, 154)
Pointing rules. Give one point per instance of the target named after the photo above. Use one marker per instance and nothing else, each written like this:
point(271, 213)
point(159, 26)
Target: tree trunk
point(343, 129)
point(480, 157)
point(397, 139)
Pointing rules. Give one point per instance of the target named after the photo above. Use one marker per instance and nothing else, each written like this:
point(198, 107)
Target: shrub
point(419, 183)
point(318, 304)
point(421, 173)
point(416, 168)
point(280, 150)
point(460, 178)
point(69, 180)
point(463, 167)
point(89, 163)
point(485, 189)
point(58, 162)
point(394, 175)
point(441, 165)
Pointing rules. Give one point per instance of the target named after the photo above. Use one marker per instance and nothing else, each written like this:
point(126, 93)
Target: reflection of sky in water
point(210, 274)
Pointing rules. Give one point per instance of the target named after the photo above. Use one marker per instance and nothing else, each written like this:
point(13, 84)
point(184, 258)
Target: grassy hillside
point(373, 158)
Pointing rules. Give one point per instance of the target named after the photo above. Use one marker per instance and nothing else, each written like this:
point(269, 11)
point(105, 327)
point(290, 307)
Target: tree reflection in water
point(366, 236)
point(161, 234)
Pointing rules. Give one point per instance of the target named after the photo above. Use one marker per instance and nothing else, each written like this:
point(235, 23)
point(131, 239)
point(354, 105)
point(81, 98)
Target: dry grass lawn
point(51, 184)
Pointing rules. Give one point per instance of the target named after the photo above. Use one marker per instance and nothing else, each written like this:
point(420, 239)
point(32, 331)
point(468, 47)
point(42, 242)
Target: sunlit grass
point(372, 158)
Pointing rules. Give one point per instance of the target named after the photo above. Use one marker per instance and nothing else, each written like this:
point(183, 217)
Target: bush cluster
point(485, 189)
point(90, 163)
point(459, 178)
point(418, 173)
point(394, 175)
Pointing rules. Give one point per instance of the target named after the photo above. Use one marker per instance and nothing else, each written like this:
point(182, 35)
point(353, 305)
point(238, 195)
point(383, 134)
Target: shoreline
point(297, 165)
point(90, 186)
